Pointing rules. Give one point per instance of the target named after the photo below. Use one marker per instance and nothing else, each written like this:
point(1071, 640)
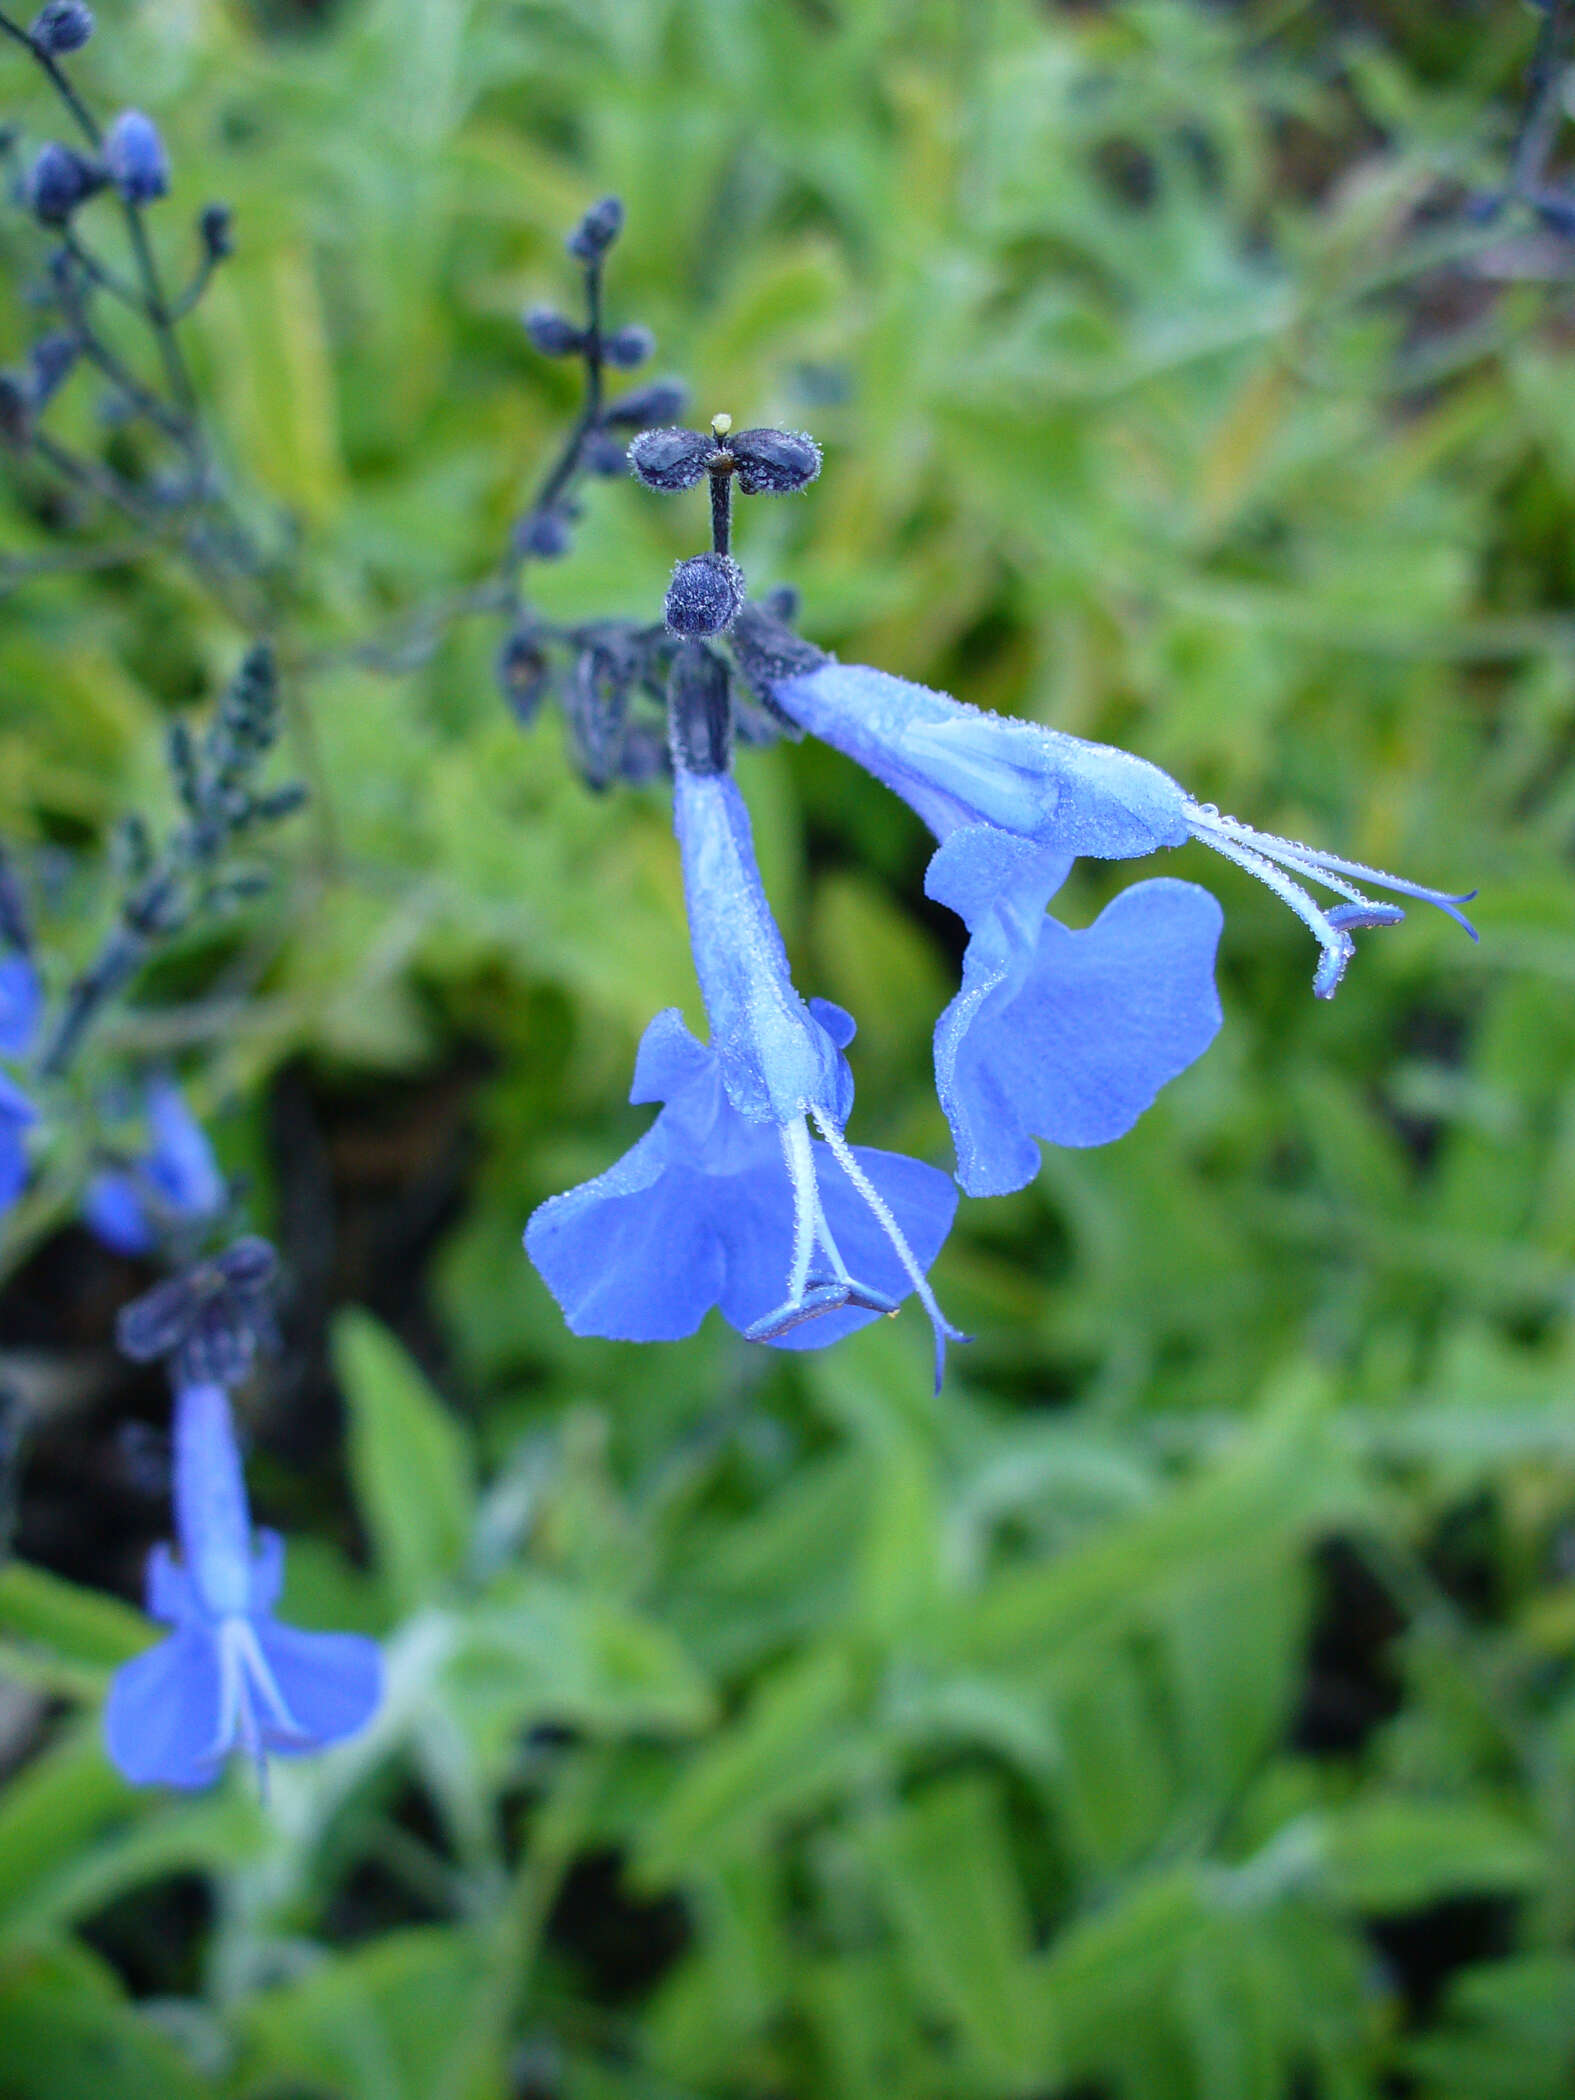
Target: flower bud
point(774, 462)
point(657, 403)
point(597, 231)
point(48, 363)
point(58, 181)
point(704, 595)
point(670, 459)
point(605, 455)
point(552, 333)
point(628, 347)
point(216, 232)
point(134, 154)
point(62, 26)
point(542, 535)
point(596, 706)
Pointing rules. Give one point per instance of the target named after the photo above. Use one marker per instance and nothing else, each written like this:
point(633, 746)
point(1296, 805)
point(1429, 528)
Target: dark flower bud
point(704, 595)
point(774, 462)
point(671, 459)
point(657, 403)
point(58, 181)
point(209, 1319)
point(596, 706)
point(280, 803)
point(781, 604)
point(216, 229)
point(597, 231)
point(699, 711)
point(645, 755)
point(62, 26)
point(523, 673)
point(628, 347)
point(605, 455)
point(134, 154)
point(49, 361)
point(542, 535)
point(552, 333)
point(16, 410)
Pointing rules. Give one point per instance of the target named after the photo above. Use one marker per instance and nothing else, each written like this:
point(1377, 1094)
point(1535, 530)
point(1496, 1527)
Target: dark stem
point(722, 509)
point(564, 468)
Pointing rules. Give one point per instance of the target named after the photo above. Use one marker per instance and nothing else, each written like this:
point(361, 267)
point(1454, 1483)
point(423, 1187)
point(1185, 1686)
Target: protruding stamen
point(846, 1159)
point(1272, 859)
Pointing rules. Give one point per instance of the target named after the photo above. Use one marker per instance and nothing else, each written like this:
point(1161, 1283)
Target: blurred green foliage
point(1182, 1706)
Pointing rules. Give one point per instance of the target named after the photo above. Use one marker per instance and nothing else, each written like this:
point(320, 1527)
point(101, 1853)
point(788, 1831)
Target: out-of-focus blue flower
point(957, 765)
point(1054, 1034)
point(177, 1182)
point(21, 1003)
point(16, 1113)
point(230, 1676)
point(210, 1320)
point(135, 157)
point(728, 1200)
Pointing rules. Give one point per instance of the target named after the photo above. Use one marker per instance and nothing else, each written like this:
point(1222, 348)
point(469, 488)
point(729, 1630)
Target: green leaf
point(410, 1461)
point(948, 1875)
point(63, 1636)
point(66, 2033)
point(1395, 1854)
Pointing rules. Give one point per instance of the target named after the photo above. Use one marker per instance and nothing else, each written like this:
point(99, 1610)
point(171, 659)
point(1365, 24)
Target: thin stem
point(722, 510)
point(564, 468)
point(1540, 119)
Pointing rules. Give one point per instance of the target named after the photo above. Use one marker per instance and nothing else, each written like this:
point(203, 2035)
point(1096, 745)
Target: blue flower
point(21, 1002)
point(176, 1182)
point(135, 157)
point(728, 1200)
point(957, 766)
point(229, 1676)
point(1054, 1034)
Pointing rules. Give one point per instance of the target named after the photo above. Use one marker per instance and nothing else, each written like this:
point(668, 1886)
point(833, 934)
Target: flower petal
point(181, 1161)
point(331, 1684)
point(113, 1212)
point(161, 1721)
point(632, 1256)
point(21, 1003)
point(1069, 1036)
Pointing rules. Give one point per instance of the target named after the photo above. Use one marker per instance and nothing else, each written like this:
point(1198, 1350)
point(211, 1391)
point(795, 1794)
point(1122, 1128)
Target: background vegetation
point(1184, 1703)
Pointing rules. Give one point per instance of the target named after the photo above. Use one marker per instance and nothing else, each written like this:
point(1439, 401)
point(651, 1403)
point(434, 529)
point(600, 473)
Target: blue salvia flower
point(21, 1004)
point(177, 1182)
point(728, 1200)
point(957, 765)
point(230, 1676)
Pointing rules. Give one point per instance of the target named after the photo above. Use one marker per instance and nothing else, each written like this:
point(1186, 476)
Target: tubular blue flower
point(229, 1676)
point(728, 1200)
point(176, 1182)
point(21, 1002)
point(1054, 1034)
point(957, 765)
